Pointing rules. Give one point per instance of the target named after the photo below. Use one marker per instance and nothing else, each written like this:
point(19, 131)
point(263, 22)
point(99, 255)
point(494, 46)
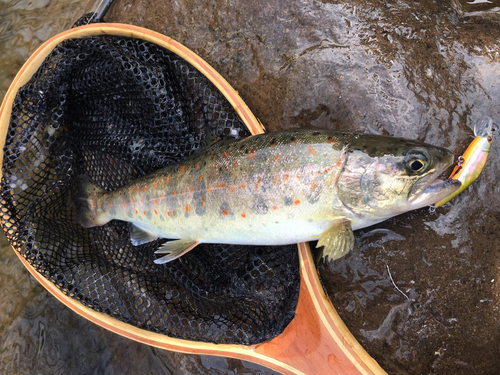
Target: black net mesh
point(116, 108)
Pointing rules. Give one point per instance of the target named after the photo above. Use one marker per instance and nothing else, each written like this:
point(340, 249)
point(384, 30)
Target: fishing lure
point(472, 162)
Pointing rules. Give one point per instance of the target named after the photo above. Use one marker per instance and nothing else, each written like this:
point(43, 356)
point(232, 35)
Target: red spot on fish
point(137, 188)
point(275, 207)
point(182, 168)
point(130, 191)
point(156, 212)
point(156, 201)
point(167, 179)
point(243, 186)
point(311, 150)
point(197, 165)
point(216, 165)
point(225, 212)
point(168, 213)
point(286, 176)
point(145, 213)
point(192, 189)
point(202, 204)
point(95, 204)
point(221, 185)
point(187, 208)
point(154, 185)
point(105, 196)
point(209, 188)
point(313, 186)
point(276, 157)
point(252, 155)
point(236, 163)
point(99, 204)
point(173, 193)
point(297, 202)
point(226, 154)
point(154, 222)
point(189, 168)
point(110, 203)
point(136, 212)
point(243, 216)
point(200, 178)
point(231, 188)
point(173, 213)
point(331, 140)
point(275, 180)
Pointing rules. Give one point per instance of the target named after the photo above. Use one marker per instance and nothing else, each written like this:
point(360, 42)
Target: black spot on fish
point(316, 133)
point(260, 206)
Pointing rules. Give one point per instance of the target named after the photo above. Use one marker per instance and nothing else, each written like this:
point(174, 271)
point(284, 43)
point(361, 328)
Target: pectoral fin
point(174, 249)
point(337, 241)
point(139, 236)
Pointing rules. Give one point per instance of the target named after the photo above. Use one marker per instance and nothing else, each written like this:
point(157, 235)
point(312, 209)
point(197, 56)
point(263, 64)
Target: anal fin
point(175, 249)
point(337, 241)
point(139, 236)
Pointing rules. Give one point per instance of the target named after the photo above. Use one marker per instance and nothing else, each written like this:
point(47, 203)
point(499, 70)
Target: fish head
point(383, 176)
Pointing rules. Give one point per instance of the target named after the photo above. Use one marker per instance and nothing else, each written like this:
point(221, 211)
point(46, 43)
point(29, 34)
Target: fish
point(274, 189)
point(472, 162)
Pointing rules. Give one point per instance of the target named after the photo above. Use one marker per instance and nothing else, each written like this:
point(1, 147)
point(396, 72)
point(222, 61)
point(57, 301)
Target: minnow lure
point(471, 163)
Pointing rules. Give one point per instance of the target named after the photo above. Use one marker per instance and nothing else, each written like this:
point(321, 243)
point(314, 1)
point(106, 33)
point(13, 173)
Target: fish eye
point(416, 162)
point(490, 139)
point(416, 165)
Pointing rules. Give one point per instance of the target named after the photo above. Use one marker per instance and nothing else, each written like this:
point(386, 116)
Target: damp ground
point(421, 292)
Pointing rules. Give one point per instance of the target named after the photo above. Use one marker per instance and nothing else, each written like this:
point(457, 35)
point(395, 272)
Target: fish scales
point(221, 195)
point(271, 189)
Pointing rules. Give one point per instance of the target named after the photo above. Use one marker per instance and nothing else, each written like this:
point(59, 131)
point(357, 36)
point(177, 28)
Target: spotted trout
point(274, 189)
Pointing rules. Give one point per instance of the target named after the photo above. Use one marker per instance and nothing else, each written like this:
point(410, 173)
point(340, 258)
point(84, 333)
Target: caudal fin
point(87, 195)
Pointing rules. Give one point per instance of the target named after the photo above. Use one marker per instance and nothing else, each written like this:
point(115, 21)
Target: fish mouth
point(434, 192)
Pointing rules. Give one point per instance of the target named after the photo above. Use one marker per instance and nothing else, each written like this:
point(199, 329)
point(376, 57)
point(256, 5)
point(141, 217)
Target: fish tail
point(88, 213)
